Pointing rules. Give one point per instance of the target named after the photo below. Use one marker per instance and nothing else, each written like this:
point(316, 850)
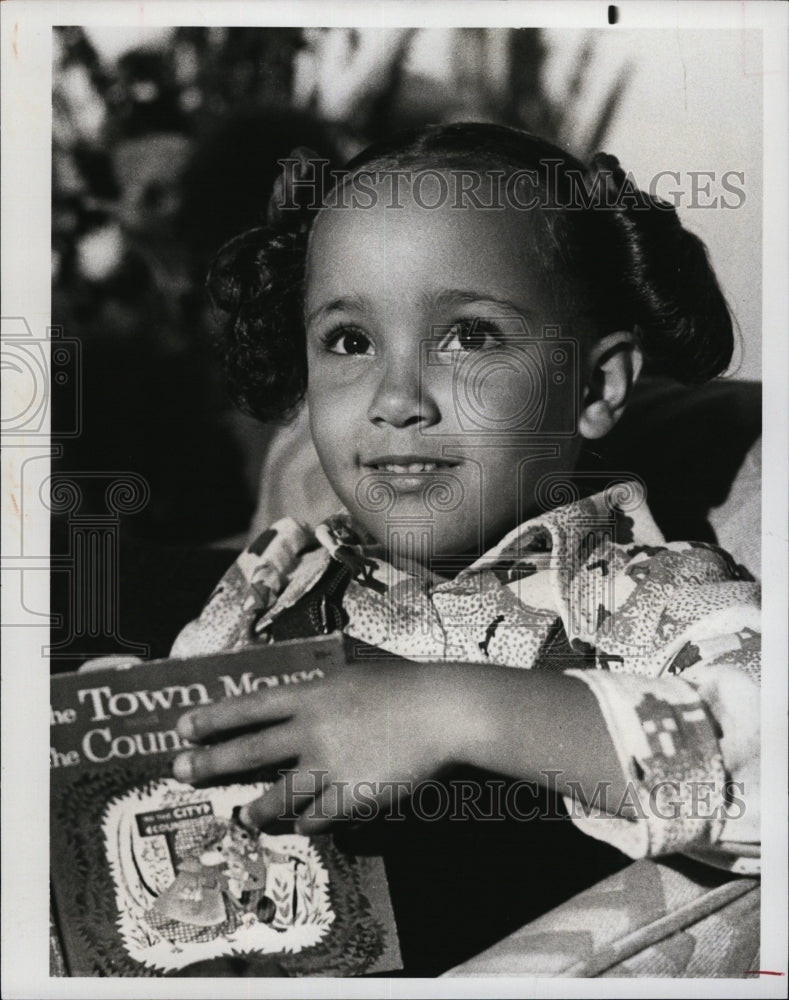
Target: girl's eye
point(470, 335)
point(348, 340)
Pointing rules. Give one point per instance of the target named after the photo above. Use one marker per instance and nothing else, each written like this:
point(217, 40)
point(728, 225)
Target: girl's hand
point(363, 738)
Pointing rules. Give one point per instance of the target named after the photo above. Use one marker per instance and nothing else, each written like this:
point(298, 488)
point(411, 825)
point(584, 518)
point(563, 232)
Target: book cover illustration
point(151, 876)
point(192, 883)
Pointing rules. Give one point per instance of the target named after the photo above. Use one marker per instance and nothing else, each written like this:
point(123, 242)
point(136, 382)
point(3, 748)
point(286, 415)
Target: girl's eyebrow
point(335, 305)
point(440, 300)
point(454, 296)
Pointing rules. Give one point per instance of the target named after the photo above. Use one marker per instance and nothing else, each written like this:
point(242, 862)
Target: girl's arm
point(653, 765)
point(371, 732)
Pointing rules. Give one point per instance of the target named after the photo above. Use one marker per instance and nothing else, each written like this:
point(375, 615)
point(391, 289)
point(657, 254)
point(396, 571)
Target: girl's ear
point(614, 365)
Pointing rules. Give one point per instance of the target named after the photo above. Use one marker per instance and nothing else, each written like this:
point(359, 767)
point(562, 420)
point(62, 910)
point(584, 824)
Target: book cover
point(152, 877)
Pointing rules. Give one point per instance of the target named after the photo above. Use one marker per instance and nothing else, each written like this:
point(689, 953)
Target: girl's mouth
point(408, 474)
point(408, 469)
point(408, 465)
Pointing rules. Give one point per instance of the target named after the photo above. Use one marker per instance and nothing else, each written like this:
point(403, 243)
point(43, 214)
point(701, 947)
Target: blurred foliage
point(164, 151)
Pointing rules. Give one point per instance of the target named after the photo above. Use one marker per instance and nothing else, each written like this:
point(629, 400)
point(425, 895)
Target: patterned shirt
point(666, 635)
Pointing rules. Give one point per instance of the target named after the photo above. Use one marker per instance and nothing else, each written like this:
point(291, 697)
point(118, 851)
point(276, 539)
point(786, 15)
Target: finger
point(269, 705)
point(267, 746)
point(294, 792)
point(324, 810)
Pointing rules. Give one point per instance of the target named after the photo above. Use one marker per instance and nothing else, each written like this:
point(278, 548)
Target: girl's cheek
point(331, 373)
point(338, 398)
point(338, 410)
point(484, 394)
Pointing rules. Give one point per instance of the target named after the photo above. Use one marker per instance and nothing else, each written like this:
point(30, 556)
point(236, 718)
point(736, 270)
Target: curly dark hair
point(620, 255)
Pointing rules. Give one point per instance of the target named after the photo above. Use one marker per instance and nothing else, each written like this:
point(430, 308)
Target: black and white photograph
point(394, 499)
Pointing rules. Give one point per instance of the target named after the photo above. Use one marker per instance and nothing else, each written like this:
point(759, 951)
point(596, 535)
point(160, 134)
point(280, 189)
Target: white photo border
point(26, 187)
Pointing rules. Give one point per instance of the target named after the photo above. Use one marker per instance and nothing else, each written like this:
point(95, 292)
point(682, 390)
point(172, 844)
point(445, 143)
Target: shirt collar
point(550, 540)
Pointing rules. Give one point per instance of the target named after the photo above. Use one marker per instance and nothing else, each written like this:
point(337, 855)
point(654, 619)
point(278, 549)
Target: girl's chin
point(416, 551)
point(444, 546)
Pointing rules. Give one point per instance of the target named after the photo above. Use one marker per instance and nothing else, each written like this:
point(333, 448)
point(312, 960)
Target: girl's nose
point(401, 398)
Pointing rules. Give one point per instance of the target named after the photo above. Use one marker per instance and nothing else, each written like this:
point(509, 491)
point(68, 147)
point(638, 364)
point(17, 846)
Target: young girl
point(462, 309)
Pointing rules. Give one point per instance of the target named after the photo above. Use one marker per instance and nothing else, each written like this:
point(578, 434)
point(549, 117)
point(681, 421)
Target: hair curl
point(623, 257)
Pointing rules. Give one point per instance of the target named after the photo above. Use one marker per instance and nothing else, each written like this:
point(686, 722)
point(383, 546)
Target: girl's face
point(443, 383)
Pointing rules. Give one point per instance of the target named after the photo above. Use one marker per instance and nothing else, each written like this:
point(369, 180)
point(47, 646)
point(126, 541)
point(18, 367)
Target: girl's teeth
point(412, 468)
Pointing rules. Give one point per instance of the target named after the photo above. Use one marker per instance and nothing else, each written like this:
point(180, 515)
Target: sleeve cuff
point(675, 780)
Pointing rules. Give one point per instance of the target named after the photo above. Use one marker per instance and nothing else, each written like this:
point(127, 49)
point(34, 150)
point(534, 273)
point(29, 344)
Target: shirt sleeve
point(684, 717)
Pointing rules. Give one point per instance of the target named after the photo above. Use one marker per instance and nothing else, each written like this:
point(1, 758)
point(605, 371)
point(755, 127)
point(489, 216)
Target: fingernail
point(182, 767)
point(186, 726)
point(246, 818)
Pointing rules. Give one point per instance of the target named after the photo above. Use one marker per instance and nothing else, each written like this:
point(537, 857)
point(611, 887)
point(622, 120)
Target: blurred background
point(165, 144)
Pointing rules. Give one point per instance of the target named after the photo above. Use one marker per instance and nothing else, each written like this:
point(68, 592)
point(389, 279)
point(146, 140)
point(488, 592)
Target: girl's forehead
point(427, 220)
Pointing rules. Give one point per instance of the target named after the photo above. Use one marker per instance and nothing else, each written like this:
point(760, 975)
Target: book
point(151, 876)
